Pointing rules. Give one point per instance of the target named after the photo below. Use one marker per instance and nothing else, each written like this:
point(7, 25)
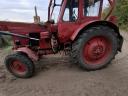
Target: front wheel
point(20, 65)
point(95, 48)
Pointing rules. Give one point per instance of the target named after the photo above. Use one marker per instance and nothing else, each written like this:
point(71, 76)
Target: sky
point(23, 10)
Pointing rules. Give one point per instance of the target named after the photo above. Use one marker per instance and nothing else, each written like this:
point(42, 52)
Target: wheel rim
point(18, 67)
point(97, 50)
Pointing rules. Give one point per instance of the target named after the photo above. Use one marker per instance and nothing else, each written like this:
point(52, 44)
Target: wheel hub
point(18, 67)
point(96, 50)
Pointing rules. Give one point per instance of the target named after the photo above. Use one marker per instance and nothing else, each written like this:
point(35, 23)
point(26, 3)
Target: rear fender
point(87, 25)
point(32, 55)
point(75, 34)
point(91, 24)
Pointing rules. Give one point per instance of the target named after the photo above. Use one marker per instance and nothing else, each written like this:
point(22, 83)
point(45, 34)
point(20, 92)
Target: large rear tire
point(95, 48)
point(20, 65)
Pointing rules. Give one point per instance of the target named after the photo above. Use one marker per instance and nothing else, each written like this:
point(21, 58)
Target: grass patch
point(7, 48)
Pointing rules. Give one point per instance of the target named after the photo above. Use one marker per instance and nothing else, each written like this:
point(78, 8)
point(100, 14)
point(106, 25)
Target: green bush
point(5, 41)
point(122, 13)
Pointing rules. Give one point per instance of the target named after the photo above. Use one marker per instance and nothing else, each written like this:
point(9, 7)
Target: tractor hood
point(21, 27)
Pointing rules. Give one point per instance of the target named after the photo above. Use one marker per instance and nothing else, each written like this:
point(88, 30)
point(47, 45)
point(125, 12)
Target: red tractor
point(92, 41)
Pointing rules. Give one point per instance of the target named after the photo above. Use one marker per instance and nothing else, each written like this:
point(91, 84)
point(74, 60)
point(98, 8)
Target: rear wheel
point(95, 48)
point(20, 65)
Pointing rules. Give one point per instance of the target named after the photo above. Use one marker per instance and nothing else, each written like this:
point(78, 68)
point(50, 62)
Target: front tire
point(20, 65)
point(95, 48)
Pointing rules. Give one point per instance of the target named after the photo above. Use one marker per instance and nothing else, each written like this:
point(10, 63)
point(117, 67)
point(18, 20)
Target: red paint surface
point(18, 67)
point(97, 50)
point(31, 54)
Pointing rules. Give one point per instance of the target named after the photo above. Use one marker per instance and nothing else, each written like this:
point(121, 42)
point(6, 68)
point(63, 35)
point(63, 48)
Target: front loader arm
point(17, 35)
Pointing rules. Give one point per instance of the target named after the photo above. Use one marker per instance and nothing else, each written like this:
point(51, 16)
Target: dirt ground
point(57, 77)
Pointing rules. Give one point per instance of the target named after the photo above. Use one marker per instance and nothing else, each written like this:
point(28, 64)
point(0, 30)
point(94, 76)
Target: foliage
point(122, 12)
point(5, 41)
